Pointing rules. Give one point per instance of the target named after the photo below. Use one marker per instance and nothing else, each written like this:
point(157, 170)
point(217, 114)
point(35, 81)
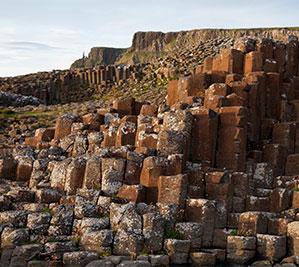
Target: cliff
point(149, 46)
point(99, 56)
point(159, 41)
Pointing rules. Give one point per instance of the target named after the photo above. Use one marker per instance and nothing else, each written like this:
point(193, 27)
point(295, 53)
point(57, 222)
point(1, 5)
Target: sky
point(42, 35)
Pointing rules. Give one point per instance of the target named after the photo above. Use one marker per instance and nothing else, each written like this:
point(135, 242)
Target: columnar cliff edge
point(209, 177)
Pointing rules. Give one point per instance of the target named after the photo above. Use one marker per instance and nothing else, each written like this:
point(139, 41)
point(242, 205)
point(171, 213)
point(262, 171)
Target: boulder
point(293, 238)
point(38, 223)
point(175, 136)
point(22, 254)
point(202, 259)
point(177, 250)
point(271, 247)
point(14, 237)
point(127, 243)
point(173, 189)
point(134, 193)
point(79, 258)
point(112, 175)
point(98, 241)
point(159, 260)
point(202, 211)
point(64, 125)
point(240, 249)
point(8, 168)
point(93, 173)
point(48, 195)
point(74, 175)
point(153, 232)
point(190, 231)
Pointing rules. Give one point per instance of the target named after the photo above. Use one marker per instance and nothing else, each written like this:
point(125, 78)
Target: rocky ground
point(17, 123)
point(10, 99)
point(200, 168)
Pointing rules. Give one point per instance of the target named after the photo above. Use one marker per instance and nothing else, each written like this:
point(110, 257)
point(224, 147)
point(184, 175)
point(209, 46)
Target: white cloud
point(7, 30)
point(24, 45)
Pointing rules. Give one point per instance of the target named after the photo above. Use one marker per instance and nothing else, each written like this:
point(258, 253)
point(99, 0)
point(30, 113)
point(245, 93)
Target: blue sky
point(37, 35)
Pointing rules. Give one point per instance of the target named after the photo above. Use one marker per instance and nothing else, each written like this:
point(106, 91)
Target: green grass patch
point(144, 252)
point(173, 234)
point(76, 241)
point(10, 114)
point(31, 242)
point(142, 56)
point(102, 215)
point(7, 113)
point(104, 254)
point(125, 57)
point(234, 232)
point(46, 210)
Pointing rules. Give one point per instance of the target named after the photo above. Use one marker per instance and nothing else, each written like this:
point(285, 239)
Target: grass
point(10, 114)
point(172, 43)
point(46, 210)
point(173, 234)
point(76, 241)
point(7, 113)
point(97, 187)
point(144, 252)
point(125, 57)
point(143, 56)
point(144, 90)
point(234, 232)
point(102, 215)
point(104, 254)
point(112, 94)
point(31, 242)
point(39, 118)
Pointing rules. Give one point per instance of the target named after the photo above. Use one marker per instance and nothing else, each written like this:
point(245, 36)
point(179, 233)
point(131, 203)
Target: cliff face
point(159, 41)
point(152, 41)
point(148, 46)
point(99, 56)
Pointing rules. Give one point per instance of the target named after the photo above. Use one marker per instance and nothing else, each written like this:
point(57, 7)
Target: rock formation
point(149, 46)
point(99, 56)
point(74, 85)
point(210, 176)
point(49, 87)
point(9, 99)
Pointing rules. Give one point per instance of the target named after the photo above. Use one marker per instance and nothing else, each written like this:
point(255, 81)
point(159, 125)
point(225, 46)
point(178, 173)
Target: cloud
point(7, 30)
point(64, 32)
point(28, 46)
